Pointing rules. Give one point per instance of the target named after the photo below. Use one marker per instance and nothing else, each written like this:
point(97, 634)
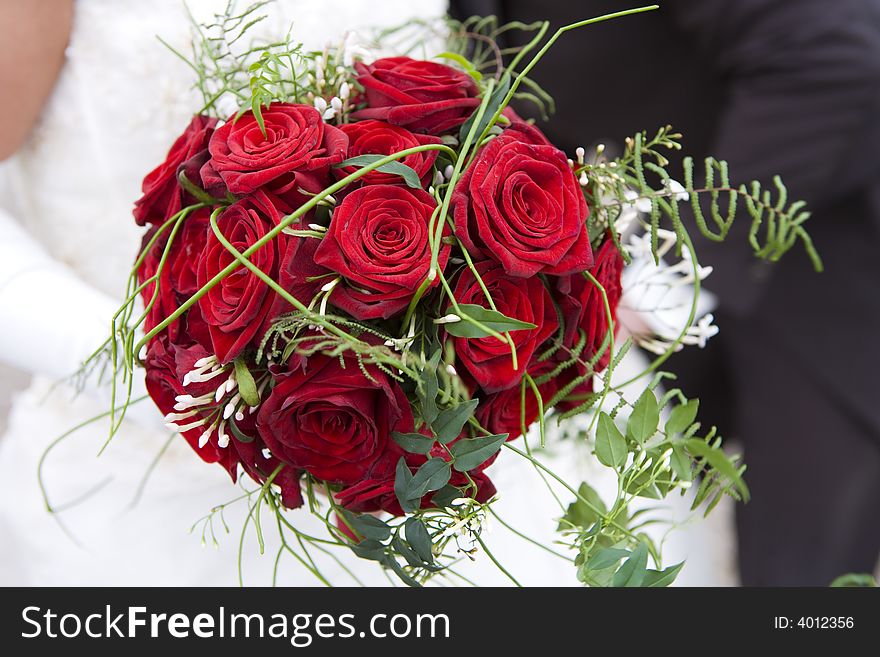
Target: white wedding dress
point(120, 101)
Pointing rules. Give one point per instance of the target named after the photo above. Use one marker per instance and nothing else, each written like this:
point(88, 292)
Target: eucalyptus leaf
point(410, 177)
point(432, 475)
point(447, 427)
point(610, 443)
point(681, 417)
point(632, 572)
point(487, 317)
point(247, 387)
point(472, 452)
point(645, 417)
point(414, 443)
point(418, 537)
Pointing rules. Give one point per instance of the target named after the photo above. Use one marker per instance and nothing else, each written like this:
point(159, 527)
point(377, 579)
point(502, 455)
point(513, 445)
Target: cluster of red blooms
point(518, 210)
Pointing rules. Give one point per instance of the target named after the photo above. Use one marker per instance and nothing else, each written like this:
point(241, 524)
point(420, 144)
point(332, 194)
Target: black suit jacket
point(772, 86)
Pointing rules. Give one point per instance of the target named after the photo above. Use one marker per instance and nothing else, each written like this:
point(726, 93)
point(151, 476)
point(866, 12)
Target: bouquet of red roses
point(373, 276)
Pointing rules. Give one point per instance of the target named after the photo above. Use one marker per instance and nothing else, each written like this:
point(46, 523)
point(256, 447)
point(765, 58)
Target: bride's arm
point(34, 36)
point(50, 320)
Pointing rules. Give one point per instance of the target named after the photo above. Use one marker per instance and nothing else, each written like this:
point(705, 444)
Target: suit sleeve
point(802, 87)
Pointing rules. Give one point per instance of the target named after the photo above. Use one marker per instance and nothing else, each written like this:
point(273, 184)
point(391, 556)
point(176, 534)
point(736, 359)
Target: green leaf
point(418, 537)
point(610, 443)
point(406, 552)
point(491, 107)
point(444, 496)
point(463, 62)
point(681, 417)
point(662, 578)
point(430, 387)
point(369, 549)
point(719, 461)
point(643, 486)
point(367, 525)
point(605, 558)
point(405, 577)
point(402, 482)
point(410, 177)
point(246, 385)
point(862, 580)
point(432, 475)
point(633, 571)
point(447, 427)
point(472, 452)
point(584, 515)
point(239, 435)
point(487, 317)
point(414, 443)
point(644, 418)
point(680, 463)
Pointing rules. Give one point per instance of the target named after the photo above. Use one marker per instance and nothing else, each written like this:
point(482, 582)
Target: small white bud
point(448, 319)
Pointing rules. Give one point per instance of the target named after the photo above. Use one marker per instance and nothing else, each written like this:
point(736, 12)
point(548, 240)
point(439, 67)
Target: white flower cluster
point(661, 295)
point(330, 78)
point(464, 521)
point(191, 409)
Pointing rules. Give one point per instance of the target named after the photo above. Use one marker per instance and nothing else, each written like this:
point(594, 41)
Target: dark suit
point(773, 86)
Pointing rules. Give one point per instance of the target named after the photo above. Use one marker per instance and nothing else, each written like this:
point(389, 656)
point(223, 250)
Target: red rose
point(259, 463)
point(520, 204)
point(419, 95)
point(501, 412)
point(296, 140)
point(378, 242)
point(177, 280)
point(236, 308)
point(166, 365)
point(162, 195)
point(379, 138)
point(488, 360)
point(583, 311)
point(334, 422)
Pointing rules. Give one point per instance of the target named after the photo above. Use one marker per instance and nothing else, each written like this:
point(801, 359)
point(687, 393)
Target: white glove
point(51, 321)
